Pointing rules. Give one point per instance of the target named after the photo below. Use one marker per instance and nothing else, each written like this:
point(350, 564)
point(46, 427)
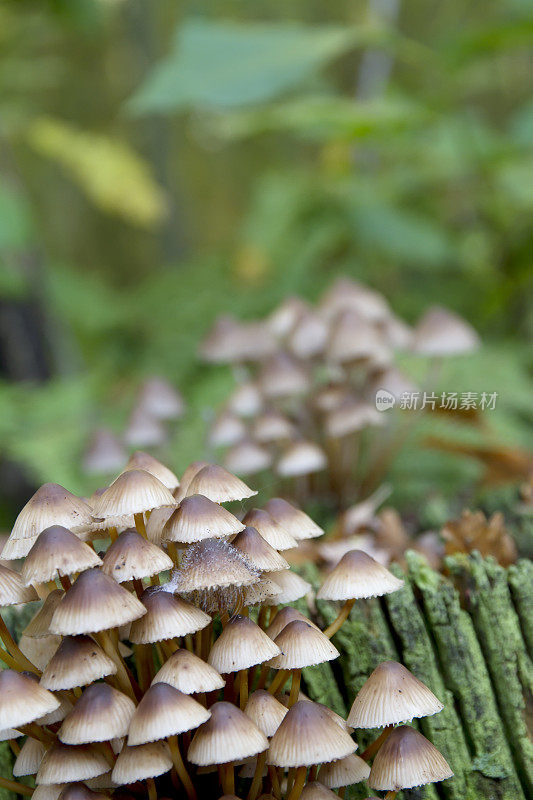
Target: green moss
point(520, 577)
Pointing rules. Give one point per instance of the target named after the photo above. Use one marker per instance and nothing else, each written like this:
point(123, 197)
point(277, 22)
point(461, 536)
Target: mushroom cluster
point(165, 655)
point(307, 382)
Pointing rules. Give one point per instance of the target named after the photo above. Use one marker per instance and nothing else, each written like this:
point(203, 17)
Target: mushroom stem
point(138, 586)
point(263, 675)
point(177, 760)
point(14, 650)
point(391, 795)
point(112, 533)
point(37, 732)
point(173, 552)
point(313, 773)
point(298, 784)
point(342, 792)
point(262, 617)
point(374, 746)
point(125, 681)
point(139, 524)
point(144, 674)
point(258, 776)
point(295, 686)
point(243, 688)
point(65, 582)
point(152, 791)
point(227, 778)
point(278, 681)
point(274, 780)
point(14, 786)
point(9, 661)
point(344, 613)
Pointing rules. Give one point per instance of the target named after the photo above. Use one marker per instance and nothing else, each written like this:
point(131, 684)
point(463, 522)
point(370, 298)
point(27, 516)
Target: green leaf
point(220, 65)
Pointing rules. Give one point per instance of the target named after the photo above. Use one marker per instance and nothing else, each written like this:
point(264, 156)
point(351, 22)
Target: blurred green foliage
point(163, 163)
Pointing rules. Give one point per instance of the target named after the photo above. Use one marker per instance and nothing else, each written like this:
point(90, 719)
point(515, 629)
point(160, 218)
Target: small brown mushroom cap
point(258, 551)
point(344, 772)
point(358, 575)
point(188, 673)
point(292, 586)
point(316, 791)
point(265, 711)
point(132, 556)
point(274, 533)
point(65, 763)
point(164, 711)
point(141, 460)
point(78, 661)
point(199, 518)
point(284, 617)
point(213, 564)
point(39, 624)
point(22, 700)
point(30, 756)
point(100, 714)
point(57, 551)
point(301, 458)
point(79, 791)
point(229, 735)
point(13, 592)
point(167, 617)
point(141, 762)
point(407, 759)
point(241, 645)
point(295, 521)
point(219, 485)
point(133, 492)
point(302, 645)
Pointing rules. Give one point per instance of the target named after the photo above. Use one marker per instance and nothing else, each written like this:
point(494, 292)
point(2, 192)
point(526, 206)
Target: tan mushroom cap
point(47, 792)
point(229, 735)
point(30, 756)
point(272, 426)
point(164, 711)
point(161, 399)
point(13, 592)
point(292, 519)
point(141, 460)
point(199, 518)
point(302, 645)
point(141, 762)
point(390, 695)
point(187, 477)
point(100, 714)
point(132, 556)
point(292, 587)
point(258, 551)
point(260, 592)
point(246, 400)
point(65, 763)
point(39, 651)
point(78, 661)
point(241, 645)
point(79, 791)
point(51, 504)
point(213, 564)
point(166, 617)
point(57, 551)
point(358, 575)
point(284, 617)
point(283, 376)
point(440, 332)
point(133, 492)
point(301, 458)
point(188, 673)
point(316, 791)
point(344, 772)
point(94, 603)
point(406, 759)
point(276, 536)
point(219, 485)
point(308, 736)
point(22, 700)
point(247, 458)
point(39, 625)
point(226, 430)
point(265, 711)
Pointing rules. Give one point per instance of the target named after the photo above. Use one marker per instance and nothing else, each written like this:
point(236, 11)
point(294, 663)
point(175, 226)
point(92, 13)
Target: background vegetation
point(162, 163)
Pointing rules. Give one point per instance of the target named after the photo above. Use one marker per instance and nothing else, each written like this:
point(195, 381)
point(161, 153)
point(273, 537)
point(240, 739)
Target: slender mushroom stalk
point(298, 784)
point(391, 795)
point(227, 778)
point(258, 776)
point(177, 760)
point(152, 791)
point(15, 786)
point(140, 524)
point(14, 650)
point(374, 746)
point(278, 680)
point(274, 780)
point(295, 686)
point(243, 688)
point(343, 615)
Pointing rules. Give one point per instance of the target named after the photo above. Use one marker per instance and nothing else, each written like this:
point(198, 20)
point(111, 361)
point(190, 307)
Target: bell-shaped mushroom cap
point(79, 791)
point(39, 625)
point(276, 536)
point(188, 673)
point(66, 763)
point(351, 416)
point(160, 399)
point(57, 551)
point(246, 400)
point(309, 335)
point(259, 592)
point(141, 460)
point(344, 772)
point(272, 426)
point(241, 644)
point(353, 338)
point(30, 756)
point(22, 700)
point(164, 711)
point(265, 711)
point(406, 759)
point(442, 333)
point(211, 564)
point(132, 556)
point(155, 522)
point(337, 719)
point(308, 736)
point(219, 485)
point(185, 481)
point(347, 294)
point(141, 762)
point(39, 651)
point(50, 505)
point(258, 551)
point(229, 735)
point(301, 458)
point(292, 587)
point(198, 518)
point(12, 589)
point(292, 519)
point(167, 616)
point(143, 429)
point(105, 453)
point(93, 603)
point(358, 575)
point(302, 645)
point(133, 492)
point(316, 791)
point(226, 430)
point(100, 714)
point(283, 617)
point(283, 376)
point(77, 661)
point(247, 458)
point(390, 695)
point(286, 315)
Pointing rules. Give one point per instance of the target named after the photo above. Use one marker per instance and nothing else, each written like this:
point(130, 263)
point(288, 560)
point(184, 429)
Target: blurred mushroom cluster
point(165, 654)
point(157, 403)
point(307, 378)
